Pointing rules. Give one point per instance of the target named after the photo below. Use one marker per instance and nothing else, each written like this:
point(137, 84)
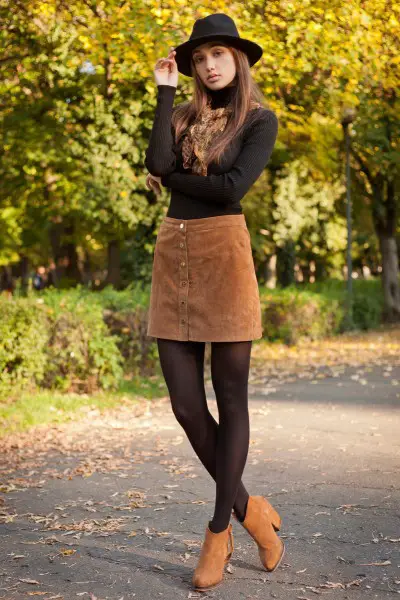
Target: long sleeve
point(230, 187)
point(160, 156)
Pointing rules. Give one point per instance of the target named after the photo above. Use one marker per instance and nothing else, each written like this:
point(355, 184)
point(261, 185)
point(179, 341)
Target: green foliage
point(367, 310)
point(24, 331)
point(78, 100)
point(317, 310)
point(138, 349)
point(108, 298)
point(128, 299)
point(82, 356)
point(56, 345)
point(290, 314)
point(124, 313)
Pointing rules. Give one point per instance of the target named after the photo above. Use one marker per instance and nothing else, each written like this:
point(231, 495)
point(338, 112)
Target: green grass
point(31, 409)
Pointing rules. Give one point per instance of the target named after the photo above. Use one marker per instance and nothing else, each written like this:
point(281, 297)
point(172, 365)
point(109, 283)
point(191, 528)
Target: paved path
point(116, 507)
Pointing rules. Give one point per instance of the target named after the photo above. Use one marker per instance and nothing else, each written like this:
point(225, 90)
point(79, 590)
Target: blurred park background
point(78, 225)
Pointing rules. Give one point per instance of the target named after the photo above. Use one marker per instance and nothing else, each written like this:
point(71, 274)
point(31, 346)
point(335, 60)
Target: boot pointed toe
point(271, 558)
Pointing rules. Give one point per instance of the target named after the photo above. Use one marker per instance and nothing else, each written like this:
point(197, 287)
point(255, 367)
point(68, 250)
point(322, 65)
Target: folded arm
point(160, 156)
point(230, 187)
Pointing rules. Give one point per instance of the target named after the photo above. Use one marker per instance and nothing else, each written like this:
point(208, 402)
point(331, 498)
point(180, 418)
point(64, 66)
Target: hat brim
point(184, 51)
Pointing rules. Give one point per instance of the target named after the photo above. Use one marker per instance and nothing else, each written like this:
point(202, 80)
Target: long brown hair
point(247, 90)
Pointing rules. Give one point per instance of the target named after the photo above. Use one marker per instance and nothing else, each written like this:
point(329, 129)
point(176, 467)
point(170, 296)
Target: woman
point(204, 289)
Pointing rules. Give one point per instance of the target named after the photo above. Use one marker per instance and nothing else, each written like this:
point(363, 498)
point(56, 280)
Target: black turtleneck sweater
point(220, 192)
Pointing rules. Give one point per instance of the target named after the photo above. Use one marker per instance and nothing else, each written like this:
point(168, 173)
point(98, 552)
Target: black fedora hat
point(219, 27)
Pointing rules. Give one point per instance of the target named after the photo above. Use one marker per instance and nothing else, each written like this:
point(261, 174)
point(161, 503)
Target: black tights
point(223, 447)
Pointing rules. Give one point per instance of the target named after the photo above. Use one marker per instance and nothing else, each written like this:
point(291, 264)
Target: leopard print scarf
point(201, 133)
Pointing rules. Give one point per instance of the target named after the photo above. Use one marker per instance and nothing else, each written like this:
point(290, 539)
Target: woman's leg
point(230, 363)
point(182, 364)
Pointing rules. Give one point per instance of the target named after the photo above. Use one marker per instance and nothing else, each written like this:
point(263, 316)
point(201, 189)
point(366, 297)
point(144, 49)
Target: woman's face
point(214, 58)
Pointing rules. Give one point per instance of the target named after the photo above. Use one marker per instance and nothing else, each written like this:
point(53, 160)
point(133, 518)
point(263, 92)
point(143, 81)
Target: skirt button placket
point(183, 288)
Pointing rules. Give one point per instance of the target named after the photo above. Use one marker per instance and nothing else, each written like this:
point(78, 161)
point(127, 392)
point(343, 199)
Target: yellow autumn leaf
point(67, 551)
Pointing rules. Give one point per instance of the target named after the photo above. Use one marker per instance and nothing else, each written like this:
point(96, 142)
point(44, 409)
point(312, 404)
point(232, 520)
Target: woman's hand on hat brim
point(166, 70)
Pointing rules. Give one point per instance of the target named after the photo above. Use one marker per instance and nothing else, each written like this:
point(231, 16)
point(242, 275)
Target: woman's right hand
point(166, 70)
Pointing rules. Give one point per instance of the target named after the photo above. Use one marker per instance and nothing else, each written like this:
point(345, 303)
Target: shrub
point(81, 354)
point(367, 310)
point(125, 314)
point(367, 300)
point(290, 314)
point(24, 332)
point(77, 339)
point(138, 349)
point(56, 346)
point(108, 298)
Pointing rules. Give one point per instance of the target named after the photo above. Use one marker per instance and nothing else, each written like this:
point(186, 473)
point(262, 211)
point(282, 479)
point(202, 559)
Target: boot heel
point(231, 546)
point(276, 521)
point(274, 517)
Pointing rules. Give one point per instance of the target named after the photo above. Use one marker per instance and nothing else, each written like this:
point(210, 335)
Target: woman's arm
point(160, 157)
point(230, 187)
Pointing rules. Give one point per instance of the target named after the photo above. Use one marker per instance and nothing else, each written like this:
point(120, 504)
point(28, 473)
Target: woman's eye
point(217, 52)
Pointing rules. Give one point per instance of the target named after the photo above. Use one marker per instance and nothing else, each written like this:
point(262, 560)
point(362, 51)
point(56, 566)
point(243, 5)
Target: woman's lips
point(213, 78)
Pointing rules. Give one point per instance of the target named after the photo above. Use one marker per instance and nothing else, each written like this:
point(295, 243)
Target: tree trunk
point(306, 271)
point(390, 277)
point(270, 272)
point(6, 280)
point(64, 253)
point(285, 263)
point(114, 267)
point(24, 265)
point(87, 269)
point(385, 218)
point(320, 268)
point(55, 242)
point(384, 206)
point(72, 270)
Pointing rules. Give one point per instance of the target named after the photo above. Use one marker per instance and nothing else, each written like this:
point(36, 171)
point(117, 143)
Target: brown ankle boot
point(215, 554)
point(262, 521)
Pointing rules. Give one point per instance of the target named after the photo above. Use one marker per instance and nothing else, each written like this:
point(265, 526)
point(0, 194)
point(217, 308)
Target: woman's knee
point(232, 401)
point(186, 415)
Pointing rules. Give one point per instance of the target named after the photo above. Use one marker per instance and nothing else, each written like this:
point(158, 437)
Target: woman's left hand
point(154, 183)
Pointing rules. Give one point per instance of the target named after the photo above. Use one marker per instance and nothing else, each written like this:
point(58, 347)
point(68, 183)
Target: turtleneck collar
point(221, 97)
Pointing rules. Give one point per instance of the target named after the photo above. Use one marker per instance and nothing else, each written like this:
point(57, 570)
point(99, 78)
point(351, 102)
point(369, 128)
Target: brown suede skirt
point(204, 286)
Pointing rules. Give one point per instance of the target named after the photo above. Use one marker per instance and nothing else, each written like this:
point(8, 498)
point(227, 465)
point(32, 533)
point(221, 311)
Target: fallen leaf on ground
point(343, 586)
point(67, 551)
point(376, 564)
